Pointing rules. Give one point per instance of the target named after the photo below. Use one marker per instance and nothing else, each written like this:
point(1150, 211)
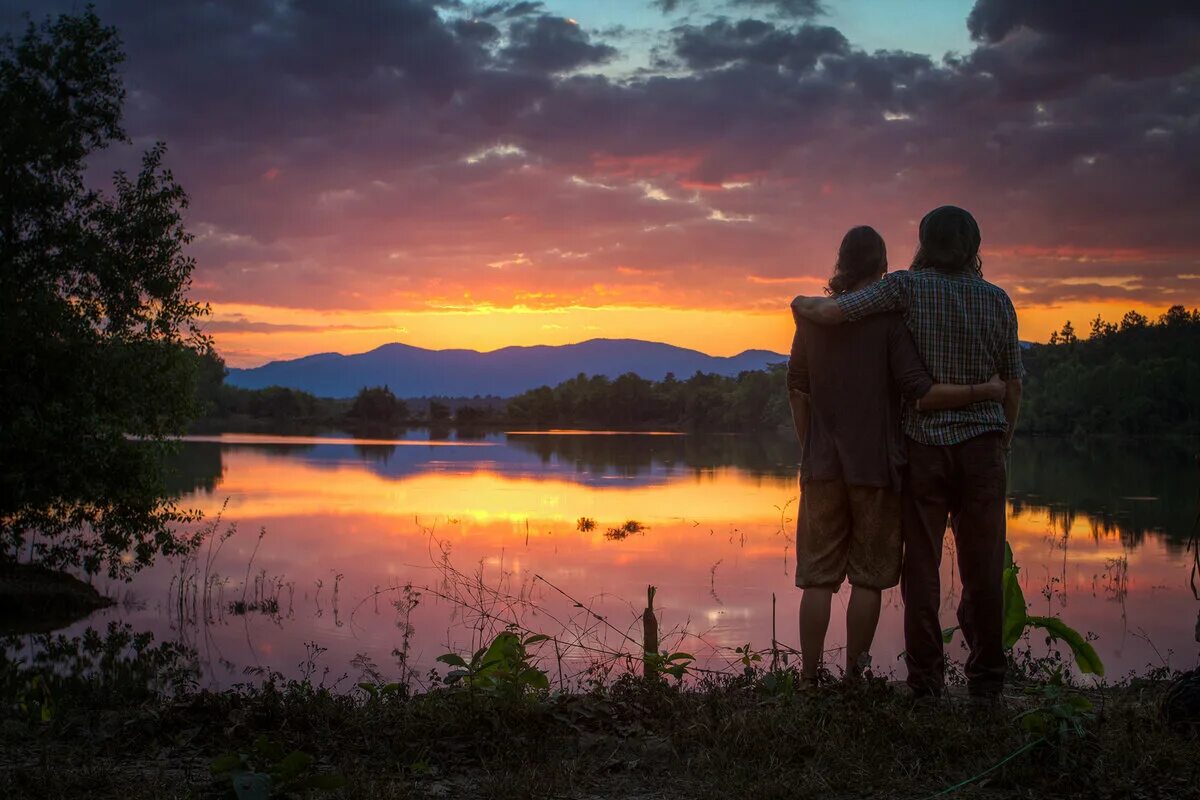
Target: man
point(966, 330)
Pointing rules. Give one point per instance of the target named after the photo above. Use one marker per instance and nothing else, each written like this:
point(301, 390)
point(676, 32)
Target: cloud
point(789, 8)
point(724, 42)
point(384, 154)
point(553, 44)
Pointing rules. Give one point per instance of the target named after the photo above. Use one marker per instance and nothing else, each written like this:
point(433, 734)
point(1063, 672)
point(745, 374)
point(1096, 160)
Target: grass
point(120, 722)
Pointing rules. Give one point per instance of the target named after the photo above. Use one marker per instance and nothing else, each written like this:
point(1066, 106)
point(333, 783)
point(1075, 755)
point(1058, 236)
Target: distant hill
point(413, 371)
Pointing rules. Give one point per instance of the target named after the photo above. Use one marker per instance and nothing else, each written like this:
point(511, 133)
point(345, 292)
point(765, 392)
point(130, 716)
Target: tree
point(1133, 321)
point(439, 412)
point(378, 405)
point(100, 341)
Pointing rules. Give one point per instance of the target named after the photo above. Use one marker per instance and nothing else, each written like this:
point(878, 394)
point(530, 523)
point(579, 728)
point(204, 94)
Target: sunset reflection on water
point(349, 522)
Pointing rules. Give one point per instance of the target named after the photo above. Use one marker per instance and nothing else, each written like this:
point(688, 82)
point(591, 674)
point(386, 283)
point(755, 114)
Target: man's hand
point(822, 310)
point(994, 389)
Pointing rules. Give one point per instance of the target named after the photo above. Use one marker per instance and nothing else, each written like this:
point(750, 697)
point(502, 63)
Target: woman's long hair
point(862, 255)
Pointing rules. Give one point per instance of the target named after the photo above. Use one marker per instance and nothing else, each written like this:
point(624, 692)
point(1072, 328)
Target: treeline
point(753, 400)
point(281, 409)
point(1136, 376)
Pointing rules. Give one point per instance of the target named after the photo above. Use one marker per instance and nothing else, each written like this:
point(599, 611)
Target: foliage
point(501, 668)
point(1136, 377)
point(100, 338)
point(708, 738)
point(268, 770)
point(377, 405)
point(116, 665)
point(668, 663)
point(439, 412)
point(753, 400)
point(626, 529)
point(474, 415)
point(1061, 711)
point(1017, 621)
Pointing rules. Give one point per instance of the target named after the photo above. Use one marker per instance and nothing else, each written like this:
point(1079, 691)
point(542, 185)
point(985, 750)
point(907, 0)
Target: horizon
point(506, 347)
point(485, 175)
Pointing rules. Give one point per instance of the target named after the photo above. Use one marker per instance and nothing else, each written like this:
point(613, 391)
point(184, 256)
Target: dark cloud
point(789, 8)
point(1107, 21)
point(553, 44)
point(784, 8)
point(1050, 48)
point(724, 42)
point(510, 10)
point(403, 152)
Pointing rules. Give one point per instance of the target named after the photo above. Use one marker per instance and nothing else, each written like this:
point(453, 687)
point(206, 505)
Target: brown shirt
point(855, 375)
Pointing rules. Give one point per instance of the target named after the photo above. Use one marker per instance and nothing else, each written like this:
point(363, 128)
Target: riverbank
point(126, 736)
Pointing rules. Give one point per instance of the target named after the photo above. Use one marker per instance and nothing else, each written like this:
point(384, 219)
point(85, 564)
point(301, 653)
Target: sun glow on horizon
point(251, 335)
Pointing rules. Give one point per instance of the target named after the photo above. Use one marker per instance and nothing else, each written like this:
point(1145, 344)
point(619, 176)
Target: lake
point(357, 556)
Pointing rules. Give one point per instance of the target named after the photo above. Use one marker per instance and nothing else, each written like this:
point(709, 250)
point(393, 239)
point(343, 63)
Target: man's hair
point(949, 242)
point(862, 255)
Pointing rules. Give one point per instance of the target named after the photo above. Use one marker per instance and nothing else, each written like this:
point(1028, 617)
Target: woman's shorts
point(847, 531)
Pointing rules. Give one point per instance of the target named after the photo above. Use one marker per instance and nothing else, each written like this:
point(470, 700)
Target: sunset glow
point(718, 541)
point(484, 175)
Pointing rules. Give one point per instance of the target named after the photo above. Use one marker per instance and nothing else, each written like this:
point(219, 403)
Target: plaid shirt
point(966, 330)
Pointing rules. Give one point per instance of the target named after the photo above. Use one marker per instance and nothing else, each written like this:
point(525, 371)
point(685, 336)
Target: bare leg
point(862, 616)
point(814, 622)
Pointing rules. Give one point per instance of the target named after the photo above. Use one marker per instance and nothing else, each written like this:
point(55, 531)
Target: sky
point(484, 174)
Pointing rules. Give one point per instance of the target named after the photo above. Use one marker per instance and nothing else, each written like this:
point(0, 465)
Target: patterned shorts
point(847, 531)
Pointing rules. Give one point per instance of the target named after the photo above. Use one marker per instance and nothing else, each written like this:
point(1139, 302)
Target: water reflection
point(488, 526)
point(1133, 489)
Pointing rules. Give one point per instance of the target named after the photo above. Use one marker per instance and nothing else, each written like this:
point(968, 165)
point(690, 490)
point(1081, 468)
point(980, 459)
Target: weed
point(629, 528)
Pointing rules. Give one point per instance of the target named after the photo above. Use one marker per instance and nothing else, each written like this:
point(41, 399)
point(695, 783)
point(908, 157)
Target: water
point(487, 531)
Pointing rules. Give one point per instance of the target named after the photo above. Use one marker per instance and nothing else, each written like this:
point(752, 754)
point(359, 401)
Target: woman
point(845, 387)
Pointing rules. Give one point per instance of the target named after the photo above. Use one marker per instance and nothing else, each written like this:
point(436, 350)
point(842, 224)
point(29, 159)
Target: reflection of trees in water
point(194, 466)
point(115, 663)
point(633, 454)
point(1124, 488)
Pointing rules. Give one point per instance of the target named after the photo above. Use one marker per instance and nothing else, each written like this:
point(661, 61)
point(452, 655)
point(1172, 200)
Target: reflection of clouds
point(268, 485)
point(329, 511)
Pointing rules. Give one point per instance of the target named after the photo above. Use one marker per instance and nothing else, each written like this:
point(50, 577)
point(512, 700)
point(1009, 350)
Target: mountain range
point(414, 371)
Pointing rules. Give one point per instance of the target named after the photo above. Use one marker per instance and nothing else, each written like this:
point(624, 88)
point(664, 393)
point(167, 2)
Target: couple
point(905, 412)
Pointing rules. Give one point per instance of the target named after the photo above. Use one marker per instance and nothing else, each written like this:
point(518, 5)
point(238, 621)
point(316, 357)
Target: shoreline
point(751, 735)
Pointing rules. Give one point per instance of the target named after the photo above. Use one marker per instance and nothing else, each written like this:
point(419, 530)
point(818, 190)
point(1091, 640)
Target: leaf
point(272, 751)
point(1085, 655)
point(296, 763)
point(225, 763)
point(1080, 703)
point(681, 657)
point(948, 634)
point(1008, 557)
point(535, 638)
point(1035, 722)
point(534, 677)
point(1015, 614)
point(504, 650)
point(453, 659)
